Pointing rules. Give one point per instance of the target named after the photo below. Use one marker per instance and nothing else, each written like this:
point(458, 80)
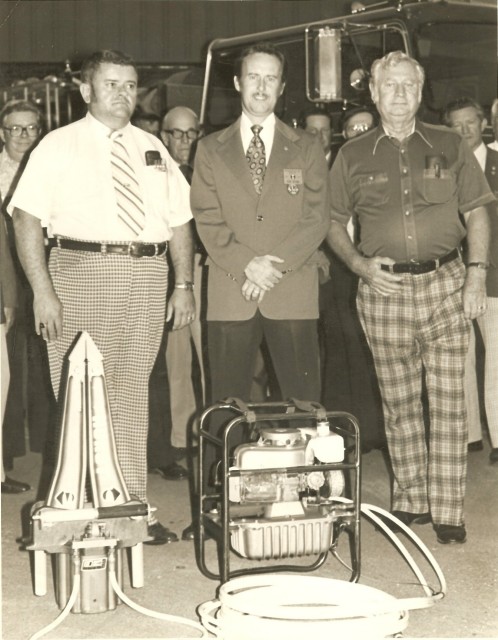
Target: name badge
point(293, 178)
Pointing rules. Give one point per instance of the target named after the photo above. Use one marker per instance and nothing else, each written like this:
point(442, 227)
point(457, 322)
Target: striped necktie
point(256, 158)
point(131, 211)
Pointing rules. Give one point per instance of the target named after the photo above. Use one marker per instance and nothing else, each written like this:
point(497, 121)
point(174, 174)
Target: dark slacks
point(233, 347)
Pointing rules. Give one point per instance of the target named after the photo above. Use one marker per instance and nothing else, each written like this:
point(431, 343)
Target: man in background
point(318, 123)
point(149, 122)
point(494, 124)
point(179, 131)
point(466, 116)
point(29, 403)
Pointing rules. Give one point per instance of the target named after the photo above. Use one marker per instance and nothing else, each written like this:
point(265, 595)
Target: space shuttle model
point(88, 518)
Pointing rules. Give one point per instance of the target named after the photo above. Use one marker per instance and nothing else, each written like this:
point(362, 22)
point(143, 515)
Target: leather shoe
point(189, 533)
point(157, 534)
point(477, 445)
point(448, 533)
point(9, 485)
point(173, 471)
point(493, 456)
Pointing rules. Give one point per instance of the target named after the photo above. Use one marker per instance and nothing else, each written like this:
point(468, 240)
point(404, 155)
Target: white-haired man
point(405, 183)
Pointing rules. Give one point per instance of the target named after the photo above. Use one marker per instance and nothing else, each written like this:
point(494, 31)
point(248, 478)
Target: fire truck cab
point(329, 61)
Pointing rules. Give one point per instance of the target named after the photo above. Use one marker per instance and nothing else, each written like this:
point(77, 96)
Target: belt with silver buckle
point(133, 249)
point(417, 268)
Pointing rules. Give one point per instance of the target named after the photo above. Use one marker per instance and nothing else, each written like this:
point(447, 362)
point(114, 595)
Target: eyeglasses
point(16, 131)
point(361, 127)
point(178, 134)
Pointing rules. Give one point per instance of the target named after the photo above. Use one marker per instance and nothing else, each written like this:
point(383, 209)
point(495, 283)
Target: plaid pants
point(423, 326)
point(120, 301)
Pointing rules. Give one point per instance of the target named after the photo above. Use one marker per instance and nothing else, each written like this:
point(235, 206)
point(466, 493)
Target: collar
point(418, 128)
point(267, 132)
point(102, 129)
point(480, 154)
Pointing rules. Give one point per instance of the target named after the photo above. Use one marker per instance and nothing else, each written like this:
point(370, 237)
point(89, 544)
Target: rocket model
point(89, 517)
point(87, 438)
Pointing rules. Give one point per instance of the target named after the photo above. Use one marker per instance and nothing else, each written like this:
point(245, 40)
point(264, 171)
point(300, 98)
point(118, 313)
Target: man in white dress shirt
point(107, 272)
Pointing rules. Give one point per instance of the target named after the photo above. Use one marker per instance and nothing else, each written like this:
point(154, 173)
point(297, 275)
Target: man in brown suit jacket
point(261, 226)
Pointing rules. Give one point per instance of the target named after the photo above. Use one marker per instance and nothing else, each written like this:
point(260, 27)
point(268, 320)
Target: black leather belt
point(416, 268)
point(132, 249)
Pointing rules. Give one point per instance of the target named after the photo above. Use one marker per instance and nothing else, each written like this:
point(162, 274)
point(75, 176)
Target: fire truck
point(329, 61)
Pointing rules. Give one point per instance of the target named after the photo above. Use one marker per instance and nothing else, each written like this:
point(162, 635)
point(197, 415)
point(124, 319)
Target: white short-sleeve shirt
point(68, 184)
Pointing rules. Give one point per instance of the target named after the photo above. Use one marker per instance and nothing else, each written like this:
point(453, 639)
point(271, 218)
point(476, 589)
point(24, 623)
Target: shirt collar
point(102, 129)
point(480, 154)
point(418, 128)
point(267, 131)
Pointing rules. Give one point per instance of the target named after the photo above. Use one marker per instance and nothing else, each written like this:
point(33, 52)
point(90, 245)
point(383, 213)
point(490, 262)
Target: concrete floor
point(173, 583)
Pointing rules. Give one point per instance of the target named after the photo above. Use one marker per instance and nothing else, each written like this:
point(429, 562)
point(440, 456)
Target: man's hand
point(383, 282)
point(181, 307)
point(48, 316)
point(474, 293)
point(252, 292)
point(262, 273)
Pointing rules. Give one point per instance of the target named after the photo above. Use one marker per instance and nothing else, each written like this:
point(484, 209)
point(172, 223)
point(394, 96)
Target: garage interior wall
point(152, 31)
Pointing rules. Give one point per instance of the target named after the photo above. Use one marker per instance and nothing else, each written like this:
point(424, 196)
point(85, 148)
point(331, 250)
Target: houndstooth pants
point(423, 326)
point(120, 302)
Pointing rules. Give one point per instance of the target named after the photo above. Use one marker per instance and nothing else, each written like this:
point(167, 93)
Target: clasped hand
point(261, 277)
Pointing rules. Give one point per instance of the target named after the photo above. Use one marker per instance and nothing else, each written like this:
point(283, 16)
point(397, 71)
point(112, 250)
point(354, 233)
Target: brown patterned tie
point(131, 211)
point(256, 159)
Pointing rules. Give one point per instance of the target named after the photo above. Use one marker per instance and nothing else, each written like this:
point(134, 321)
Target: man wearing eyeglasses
point(20, 128)
point(179, 131)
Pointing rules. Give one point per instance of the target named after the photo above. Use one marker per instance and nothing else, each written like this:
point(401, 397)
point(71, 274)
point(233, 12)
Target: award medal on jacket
point(293, 178)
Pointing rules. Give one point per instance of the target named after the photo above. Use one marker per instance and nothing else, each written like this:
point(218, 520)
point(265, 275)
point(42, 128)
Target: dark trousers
point(233, 347)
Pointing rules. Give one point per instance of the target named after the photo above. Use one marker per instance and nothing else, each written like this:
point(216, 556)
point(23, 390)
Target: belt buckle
point(156, 249)
point(103, 249)
point(133, 250)
point(416, 267)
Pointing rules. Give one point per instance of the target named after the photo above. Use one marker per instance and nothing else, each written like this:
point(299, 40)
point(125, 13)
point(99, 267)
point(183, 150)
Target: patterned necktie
point(131, 212)
point(257, 159)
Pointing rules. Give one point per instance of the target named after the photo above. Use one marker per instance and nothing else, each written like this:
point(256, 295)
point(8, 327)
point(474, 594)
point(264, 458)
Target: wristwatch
point(189, 286)
point(479, 265)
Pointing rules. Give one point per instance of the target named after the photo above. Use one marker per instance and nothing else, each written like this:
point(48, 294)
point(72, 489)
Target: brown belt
point(132, 249)
point(416, 268)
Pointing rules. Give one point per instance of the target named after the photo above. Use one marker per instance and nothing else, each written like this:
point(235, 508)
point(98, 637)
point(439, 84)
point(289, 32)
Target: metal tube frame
point(220, 531)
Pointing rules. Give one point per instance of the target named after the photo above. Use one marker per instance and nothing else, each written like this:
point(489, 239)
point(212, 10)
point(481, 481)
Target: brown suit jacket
point(235, 224)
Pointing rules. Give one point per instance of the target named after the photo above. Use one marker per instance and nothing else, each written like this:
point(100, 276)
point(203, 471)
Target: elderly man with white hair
point(405, 183)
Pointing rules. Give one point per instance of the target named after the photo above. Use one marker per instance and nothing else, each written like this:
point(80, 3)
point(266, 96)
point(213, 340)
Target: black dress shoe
point(173, 471)
point(493, 456)
point(189, 533)
point(157, 534)
point(9, 485)
point(449, 533)
point(477, 445)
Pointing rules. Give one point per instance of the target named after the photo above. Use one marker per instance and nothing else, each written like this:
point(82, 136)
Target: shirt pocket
point(373, 188)
point(438, 189)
